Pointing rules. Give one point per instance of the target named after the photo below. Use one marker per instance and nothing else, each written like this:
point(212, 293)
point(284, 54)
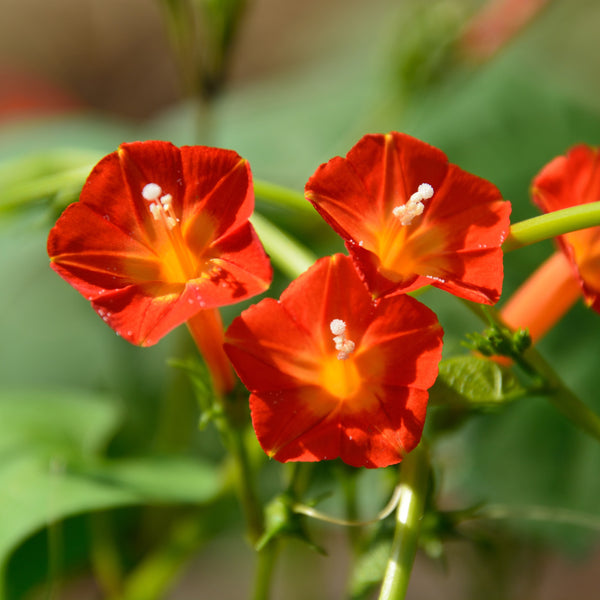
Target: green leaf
point(475, 382)
point(59, 173)
point(49, 468)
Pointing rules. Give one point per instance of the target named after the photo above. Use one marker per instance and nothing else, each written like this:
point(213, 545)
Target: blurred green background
point(89, 423)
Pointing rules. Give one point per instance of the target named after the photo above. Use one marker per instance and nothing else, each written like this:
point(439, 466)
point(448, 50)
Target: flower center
point(178, 265)
point(339, 374)
point(344, 346)
point(414, 207)
point(392, 247)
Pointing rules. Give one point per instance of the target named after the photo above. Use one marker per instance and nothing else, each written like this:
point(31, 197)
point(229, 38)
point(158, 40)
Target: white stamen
point(156, 210)
point(425, 190)
point(344, 346)
point(151, 191)
point(338, 327)
point(160, 205)
point(414, 207)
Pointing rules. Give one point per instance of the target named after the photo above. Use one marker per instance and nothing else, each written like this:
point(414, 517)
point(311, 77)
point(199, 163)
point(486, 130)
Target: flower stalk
point(558, 222)
point(414, 476)
point(206, 328)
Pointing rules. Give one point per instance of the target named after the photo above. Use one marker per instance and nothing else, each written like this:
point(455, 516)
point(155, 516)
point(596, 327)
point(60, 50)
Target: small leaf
point(466, 385)
point(475, 382)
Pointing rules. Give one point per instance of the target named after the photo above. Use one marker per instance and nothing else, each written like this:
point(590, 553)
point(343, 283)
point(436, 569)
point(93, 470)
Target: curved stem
point(291, 257)
point(413, 484)
point(279, 195)
point(552, 224)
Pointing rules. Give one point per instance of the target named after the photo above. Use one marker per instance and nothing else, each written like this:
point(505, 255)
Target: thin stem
point(105, 556)
point(291, 257)
point(552, 224)
point(537, 513)
point(413, 483)
point(279, 195)
point(244, 480)
point(264, 571)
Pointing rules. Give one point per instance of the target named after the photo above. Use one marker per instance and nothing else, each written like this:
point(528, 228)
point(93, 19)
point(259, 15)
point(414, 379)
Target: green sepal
point(281, 520)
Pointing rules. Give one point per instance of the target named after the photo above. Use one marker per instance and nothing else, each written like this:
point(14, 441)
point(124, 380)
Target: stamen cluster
point(160, 205)
point(414, 207)
point(344, 346)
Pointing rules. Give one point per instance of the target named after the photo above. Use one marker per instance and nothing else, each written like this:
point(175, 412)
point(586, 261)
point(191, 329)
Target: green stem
point(279, 195)
point(548, 514)
point(563, 399)
point(414, 476)
point(105, 555)
point(43, 187)
point(286, 253)
point(552, 224)
point(152, 578)
point(264, 571)
point(244, 479)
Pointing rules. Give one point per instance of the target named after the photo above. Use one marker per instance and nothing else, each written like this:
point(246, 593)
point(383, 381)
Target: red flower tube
point(575, 268)
point(161, 236)
point(333, 372)
point(410, 219)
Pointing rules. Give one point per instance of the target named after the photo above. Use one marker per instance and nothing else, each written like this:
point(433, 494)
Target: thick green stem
point(414, 477)
point(552, 224)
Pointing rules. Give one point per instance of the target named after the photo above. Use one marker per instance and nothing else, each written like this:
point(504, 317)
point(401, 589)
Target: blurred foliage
point(93, 434)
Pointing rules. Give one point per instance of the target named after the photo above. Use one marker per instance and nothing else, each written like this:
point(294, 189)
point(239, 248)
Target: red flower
point(159, 234)
point(333, 372)
point(569, 181)
point(410, 219)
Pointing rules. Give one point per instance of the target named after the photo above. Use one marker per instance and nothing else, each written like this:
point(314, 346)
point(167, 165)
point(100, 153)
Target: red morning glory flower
point(574, 268)
point(410, 219)
point(333, 372)
point(160, 236)
point(569, 181)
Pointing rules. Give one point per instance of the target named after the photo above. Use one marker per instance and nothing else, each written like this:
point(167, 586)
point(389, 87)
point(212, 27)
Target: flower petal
point(439, 242)
point(568, 181)
point(309, 401)
point(150, 257)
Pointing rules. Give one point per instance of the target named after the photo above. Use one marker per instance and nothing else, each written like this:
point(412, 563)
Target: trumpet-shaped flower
point(410, 219)
point(335, 373)
point(569, 181)
point(159, 235)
